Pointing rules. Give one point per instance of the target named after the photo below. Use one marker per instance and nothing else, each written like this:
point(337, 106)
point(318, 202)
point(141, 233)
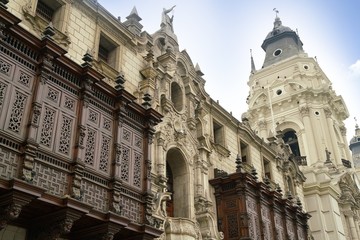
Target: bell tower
point(355, 147)
point(291, 98)
point(291, 93)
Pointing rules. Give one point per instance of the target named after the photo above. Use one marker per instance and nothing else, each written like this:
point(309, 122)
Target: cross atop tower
point(276, 12)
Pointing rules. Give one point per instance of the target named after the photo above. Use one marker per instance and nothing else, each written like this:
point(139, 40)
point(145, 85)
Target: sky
point(218, 35)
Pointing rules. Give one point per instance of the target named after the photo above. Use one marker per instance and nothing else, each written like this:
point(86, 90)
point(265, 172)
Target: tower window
point(290, 138)
point(277, 52)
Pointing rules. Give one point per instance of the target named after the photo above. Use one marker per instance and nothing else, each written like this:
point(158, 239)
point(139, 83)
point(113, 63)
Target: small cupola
point(280, 43)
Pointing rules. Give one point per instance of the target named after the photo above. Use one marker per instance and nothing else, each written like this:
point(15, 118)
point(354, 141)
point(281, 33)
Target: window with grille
point(103, 53)
point(44, 11)
point(107, 51)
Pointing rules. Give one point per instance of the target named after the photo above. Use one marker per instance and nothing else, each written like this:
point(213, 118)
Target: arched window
point(290, 185)
point(176, 96)
point(290, 138)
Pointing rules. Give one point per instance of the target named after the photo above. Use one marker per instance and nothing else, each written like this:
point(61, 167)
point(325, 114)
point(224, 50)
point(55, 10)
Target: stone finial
point(88, 59)
point(49, 31)
point(147, 101)
point(120, 80)
point(278, 188)
point(267, 182)
point(238, 163)
point(133, 22)
point(298, 202)
point(289, 195)
point(149, 57)
point(198, 70)
point(254, 172)
point(253, 69)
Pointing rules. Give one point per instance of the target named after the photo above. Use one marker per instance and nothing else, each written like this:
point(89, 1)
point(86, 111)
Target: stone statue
point(166, 20)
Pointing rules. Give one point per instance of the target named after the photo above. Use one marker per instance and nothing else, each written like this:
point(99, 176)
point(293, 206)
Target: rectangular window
point(267, 168)
point(48, 10)
point(218, 132)
point(44, 11)
point(244, 151)
point(107, 51)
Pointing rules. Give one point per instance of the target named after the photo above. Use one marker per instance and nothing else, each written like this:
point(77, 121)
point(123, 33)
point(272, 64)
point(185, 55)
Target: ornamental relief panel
point(18, 107)
point(279, 226)
point(64, 138)
point(131, 163)
point(3, 88)
point(51, 179)
point(174, 131)
point(9, 164)
point(254, 225)
point(15, 84)
point(6, 69)
point(99, 141)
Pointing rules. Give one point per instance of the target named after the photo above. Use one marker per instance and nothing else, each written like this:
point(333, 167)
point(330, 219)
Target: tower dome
point(281, 43)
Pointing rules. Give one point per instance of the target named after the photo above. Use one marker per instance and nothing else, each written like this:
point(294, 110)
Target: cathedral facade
point(292, 95)
point(107, 132)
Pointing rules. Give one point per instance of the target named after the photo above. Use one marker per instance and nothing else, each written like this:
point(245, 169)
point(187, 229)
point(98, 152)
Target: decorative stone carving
point(159, 205)
point(76, 191)
point(55, 230)
point(328, 112)
point(28, 164)
point(82, 134)
point(9, 213)
point(304, 111)
point(36, 113)
point(262, 124)
point(343, 130)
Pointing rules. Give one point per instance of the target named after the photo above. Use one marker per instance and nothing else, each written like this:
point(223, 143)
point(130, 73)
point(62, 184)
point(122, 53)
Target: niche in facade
point(176, 96)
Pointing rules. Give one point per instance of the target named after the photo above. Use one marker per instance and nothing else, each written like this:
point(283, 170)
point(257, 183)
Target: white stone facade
point(196, 135)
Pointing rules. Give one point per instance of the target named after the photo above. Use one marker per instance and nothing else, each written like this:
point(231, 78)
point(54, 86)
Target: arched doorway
point(170, 188)
point(178, 184)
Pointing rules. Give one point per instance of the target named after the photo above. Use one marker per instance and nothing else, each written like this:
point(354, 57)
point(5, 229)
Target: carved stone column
point(343, 134)
point(333, 138)
point(312, 154)
point(262, 128)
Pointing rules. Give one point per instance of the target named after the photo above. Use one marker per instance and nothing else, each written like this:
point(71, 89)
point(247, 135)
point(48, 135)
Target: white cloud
point(355, 68)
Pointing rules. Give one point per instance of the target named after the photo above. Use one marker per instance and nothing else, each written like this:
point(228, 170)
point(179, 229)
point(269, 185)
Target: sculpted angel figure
point(166, 20)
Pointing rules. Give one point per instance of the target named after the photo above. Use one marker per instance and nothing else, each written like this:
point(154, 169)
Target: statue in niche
point(166, 20)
